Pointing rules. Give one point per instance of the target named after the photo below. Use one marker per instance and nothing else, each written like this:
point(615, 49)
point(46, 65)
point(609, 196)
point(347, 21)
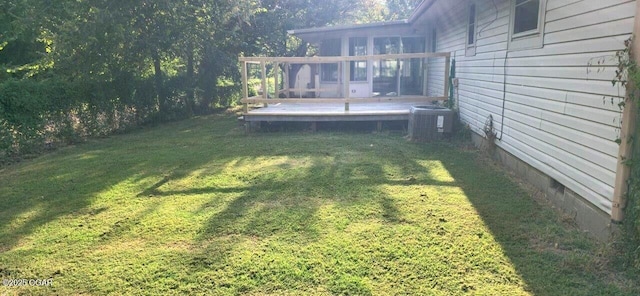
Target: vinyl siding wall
point(561, 111)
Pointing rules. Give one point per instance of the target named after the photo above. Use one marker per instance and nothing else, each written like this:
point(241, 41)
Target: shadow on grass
point(288, 207)
point(552, 258)
point(68, 182)
point(283, 205)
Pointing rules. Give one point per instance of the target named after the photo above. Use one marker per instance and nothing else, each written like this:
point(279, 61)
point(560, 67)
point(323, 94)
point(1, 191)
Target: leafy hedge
point(37, 115)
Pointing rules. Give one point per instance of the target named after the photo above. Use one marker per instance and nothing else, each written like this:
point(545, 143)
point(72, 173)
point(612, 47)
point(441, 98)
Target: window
point(329, 48)
point(385, 72)
point(527, 24)
point(471, 31)
point(526, 16)
point(358, 47)
point(412, 70)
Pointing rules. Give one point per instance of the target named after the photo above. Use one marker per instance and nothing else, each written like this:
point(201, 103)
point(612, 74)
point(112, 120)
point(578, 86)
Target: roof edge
point(422, 7)
point(346, 27)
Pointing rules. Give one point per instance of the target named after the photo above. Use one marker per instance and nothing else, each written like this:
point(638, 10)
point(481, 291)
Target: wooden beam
point(336, 59)
point(245, 86)
point(447, 65)
point(287, 87)
point(417, 99)
point(311, 89)
point(425, 73)
point(265, 89)
point(276, 73)
point(625, 151)
point(347, 79)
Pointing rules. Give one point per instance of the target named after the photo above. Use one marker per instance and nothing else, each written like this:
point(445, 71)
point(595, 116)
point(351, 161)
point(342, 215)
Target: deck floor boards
point(333, 111)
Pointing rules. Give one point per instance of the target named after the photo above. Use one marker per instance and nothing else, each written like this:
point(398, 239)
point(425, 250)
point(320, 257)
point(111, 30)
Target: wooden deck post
point(625, 151)
point(265, 89)
point(447, 65)
point(425, 73)
point(286, 80)
point(245, 86)
point(276, 73)
point(347, 89)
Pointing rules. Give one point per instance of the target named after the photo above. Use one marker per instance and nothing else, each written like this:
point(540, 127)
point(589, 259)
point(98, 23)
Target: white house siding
point(558, 110)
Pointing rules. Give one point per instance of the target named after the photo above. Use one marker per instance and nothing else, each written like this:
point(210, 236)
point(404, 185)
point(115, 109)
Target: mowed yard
point(198, 207)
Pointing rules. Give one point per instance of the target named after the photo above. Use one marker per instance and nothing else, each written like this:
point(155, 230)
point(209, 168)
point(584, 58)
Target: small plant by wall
point(490, 134)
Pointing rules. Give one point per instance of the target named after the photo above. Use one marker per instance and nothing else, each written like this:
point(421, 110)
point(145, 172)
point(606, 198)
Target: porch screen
point(411, 70)
point(358, 47)
point(385, 72)
point(330, 48)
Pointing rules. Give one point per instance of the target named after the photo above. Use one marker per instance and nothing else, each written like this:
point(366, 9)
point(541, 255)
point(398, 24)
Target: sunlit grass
point(198, 207)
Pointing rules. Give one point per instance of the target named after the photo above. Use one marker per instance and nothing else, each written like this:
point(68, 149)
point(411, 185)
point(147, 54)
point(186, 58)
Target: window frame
point(352, 64)
point(528, 39)
point(470, 48)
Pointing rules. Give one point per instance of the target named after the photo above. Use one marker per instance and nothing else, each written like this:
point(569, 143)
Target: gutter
point(625, 151)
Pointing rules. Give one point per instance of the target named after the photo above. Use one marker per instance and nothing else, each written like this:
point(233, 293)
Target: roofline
point(422, 7)
point(347, 27)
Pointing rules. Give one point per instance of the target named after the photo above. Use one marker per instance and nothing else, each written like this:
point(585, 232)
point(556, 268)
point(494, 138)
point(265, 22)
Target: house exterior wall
point(558, 106)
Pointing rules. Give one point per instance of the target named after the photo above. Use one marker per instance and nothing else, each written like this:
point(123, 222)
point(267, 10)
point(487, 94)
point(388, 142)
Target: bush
point(39, 114)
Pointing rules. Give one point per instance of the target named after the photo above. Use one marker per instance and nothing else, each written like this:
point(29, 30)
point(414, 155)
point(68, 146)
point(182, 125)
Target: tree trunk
point(162, 100)
point(207, 81)
point(190, 81)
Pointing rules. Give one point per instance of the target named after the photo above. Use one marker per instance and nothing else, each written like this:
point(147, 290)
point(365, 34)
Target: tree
point(400, 9)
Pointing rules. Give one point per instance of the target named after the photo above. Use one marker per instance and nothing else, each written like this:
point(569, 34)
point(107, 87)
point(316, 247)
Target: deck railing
point(343, 85)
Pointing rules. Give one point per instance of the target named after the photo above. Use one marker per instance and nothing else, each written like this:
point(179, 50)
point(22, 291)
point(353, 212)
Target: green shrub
point(38, 114)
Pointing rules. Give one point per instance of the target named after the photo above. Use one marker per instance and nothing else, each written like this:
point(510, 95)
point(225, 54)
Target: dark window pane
point(385, 72)
point(526, 16)
point(472, 14)
point(330, 47)
point(471, 34)
point(411, 70)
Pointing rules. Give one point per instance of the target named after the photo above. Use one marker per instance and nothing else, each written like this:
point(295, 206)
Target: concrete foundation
point(586, 216)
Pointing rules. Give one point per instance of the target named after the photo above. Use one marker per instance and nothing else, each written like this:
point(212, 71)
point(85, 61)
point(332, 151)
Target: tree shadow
point(283, 203)
point(282, 206)
point(549, 255)
point(68, 182)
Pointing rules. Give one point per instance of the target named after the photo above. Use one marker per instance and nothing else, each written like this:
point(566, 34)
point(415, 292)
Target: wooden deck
point(314, 112)
point(340, 108)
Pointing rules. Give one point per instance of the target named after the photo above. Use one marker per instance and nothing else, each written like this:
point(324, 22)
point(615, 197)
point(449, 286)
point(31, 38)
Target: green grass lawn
point(198, 207)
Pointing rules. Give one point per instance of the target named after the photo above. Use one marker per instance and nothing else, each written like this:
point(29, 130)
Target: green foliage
point(632, 212)
point(400, 9)
point(75, 69)
point(38, 115)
